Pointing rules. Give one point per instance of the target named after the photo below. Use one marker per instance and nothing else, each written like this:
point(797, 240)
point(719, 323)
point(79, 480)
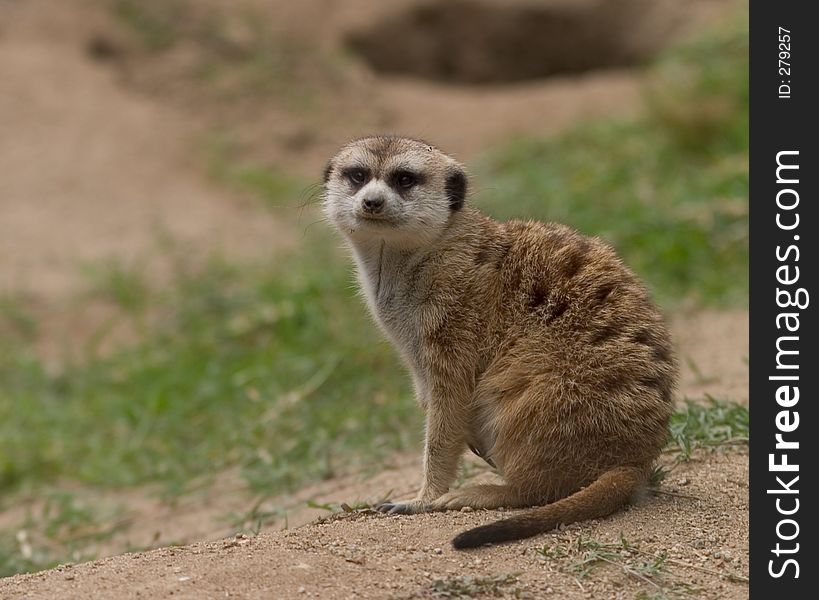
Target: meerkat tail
point(611, 491)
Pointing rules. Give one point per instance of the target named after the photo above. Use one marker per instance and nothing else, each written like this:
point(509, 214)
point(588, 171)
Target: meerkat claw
point(401, 508)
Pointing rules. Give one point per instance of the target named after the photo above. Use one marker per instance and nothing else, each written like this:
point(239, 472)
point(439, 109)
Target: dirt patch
point(700, 525)
point(91, 172)
point(713, 350)
point(470, 41)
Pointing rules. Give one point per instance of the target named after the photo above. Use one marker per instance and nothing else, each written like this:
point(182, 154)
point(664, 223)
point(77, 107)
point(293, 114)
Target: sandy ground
point(702, 528)
point(92, 171)
point(99, 160)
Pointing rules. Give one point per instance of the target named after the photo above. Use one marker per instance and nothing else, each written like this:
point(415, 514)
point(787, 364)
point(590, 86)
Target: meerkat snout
point(528, 343)
point(373, 204)
point(376, 199)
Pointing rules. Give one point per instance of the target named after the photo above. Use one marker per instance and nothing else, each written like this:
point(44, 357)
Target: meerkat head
point(399, 190)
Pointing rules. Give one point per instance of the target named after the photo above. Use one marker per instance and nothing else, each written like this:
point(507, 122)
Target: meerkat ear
point(327, 170)
point(455, 188)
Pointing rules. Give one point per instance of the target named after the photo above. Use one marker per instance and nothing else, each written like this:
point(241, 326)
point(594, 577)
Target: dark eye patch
point(356, 175)
point(455, 188)
point(405, 180)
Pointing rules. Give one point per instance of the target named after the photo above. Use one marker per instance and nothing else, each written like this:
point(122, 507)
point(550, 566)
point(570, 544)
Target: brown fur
point(528, 342)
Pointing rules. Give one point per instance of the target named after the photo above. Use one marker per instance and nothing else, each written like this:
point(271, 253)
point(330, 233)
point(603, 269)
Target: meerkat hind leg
point(483, 496)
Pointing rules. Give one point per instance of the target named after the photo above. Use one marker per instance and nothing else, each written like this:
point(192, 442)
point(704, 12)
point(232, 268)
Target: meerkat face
point(395, 189)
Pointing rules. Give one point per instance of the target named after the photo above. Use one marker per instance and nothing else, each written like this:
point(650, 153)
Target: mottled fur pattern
point(527, 342)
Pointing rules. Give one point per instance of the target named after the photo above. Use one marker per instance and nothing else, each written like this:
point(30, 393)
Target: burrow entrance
point(480, 42)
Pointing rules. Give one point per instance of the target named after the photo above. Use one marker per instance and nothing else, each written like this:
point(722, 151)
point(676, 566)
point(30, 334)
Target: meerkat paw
point(403, 508)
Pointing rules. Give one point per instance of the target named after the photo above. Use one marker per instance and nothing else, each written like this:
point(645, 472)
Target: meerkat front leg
point(444, 444)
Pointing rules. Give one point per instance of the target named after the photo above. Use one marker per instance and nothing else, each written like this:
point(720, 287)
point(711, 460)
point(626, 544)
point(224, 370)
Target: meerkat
point(528, 343)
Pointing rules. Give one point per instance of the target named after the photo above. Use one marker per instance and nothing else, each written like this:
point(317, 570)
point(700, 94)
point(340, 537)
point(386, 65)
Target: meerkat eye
point(405, 179)
point(356, 176)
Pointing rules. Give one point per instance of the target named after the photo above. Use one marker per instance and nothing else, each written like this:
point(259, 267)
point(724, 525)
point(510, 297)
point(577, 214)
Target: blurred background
point(182, 354)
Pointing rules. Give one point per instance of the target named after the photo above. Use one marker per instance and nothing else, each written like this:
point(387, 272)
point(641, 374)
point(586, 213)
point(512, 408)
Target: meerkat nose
point(373, 204)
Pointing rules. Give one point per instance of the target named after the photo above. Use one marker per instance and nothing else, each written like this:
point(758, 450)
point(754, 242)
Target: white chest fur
point(393, 299)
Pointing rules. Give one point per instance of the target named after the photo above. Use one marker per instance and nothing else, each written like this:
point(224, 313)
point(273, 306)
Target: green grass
point(125, 285)
point(253, 520)
point(59, 528)
point(156, 25)
point(277, 371)
point(714, 423)
point(696, 425)
point(16, 321)
point(668, 189)
point(225, 164)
